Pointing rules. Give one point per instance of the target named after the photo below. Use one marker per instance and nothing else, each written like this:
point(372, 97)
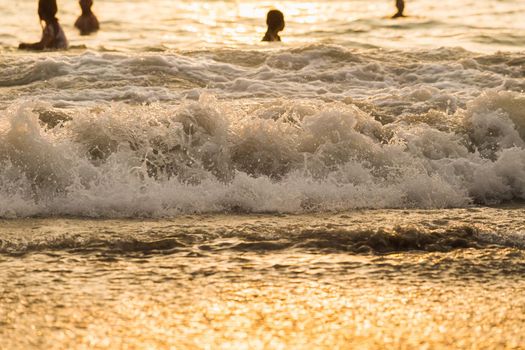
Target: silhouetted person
point(53, 36)
point(400, 4)
point(87, 23)
point(275, 22)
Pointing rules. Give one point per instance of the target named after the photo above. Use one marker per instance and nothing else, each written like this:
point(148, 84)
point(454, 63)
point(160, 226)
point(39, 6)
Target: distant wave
point(392, 80)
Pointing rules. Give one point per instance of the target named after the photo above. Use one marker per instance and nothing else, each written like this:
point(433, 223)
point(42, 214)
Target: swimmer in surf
point(275, 22)
point(53, 37)
point(400, 4)
point(87, 23)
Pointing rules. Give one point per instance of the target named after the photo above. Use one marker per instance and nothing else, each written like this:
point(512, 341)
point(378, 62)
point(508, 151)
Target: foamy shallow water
point(173, 182)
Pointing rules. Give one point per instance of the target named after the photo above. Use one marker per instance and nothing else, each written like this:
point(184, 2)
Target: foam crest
point(280, 156)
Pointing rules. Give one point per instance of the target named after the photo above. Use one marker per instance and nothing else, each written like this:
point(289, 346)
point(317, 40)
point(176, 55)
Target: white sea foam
point(282, 155)
point(390, 80)
point(306, 128)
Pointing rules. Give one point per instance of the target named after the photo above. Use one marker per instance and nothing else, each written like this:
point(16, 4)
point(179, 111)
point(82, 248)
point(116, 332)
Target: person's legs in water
point(400, 4)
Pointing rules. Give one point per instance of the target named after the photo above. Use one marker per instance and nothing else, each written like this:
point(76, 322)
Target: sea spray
point(287, 156)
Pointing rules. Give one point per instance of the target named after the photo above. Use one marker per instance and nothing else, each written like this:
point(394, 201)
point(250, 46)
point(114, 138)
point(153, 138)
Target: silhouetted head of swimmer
point(86, 5)
point(275, 22)
point(400, 4)
point(47, 10)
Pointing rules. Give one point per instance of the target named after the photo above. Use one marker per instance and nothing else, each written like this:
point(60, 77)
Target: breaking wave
point(277, 155)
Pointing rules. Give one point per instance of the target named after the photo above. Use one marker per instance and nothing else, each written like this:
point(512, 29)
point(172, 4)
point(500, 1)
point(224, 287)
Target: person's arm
point(33, 46)
point(46, 41)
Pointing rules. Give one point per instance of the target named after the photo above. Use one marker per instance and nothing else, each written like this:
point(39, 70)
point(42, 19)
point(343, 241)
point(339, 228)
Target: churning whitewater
point(319, 128)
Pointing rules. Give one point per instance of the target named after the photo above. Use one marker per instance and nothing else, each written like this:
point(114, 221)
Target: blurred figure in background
point(53, 37)
point(87, 23)
point(400, 4)
point(275, 22)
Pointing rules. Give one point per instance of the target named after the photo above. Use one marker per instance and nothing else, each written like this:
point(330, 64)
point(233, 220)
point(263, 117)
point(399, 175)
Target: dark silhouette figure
point(87, 23)
point(400, 4)
point(275, 22)
point(53, 37)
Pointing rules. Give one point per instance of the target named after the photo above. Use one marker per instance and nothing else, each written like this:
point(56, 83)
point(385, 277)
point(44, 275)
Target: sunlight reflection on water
point(139, 24)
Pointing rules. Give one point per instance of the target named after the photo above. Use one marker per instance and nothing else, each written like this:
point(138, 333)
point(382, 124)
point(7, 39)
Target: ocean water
point(173, 182)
